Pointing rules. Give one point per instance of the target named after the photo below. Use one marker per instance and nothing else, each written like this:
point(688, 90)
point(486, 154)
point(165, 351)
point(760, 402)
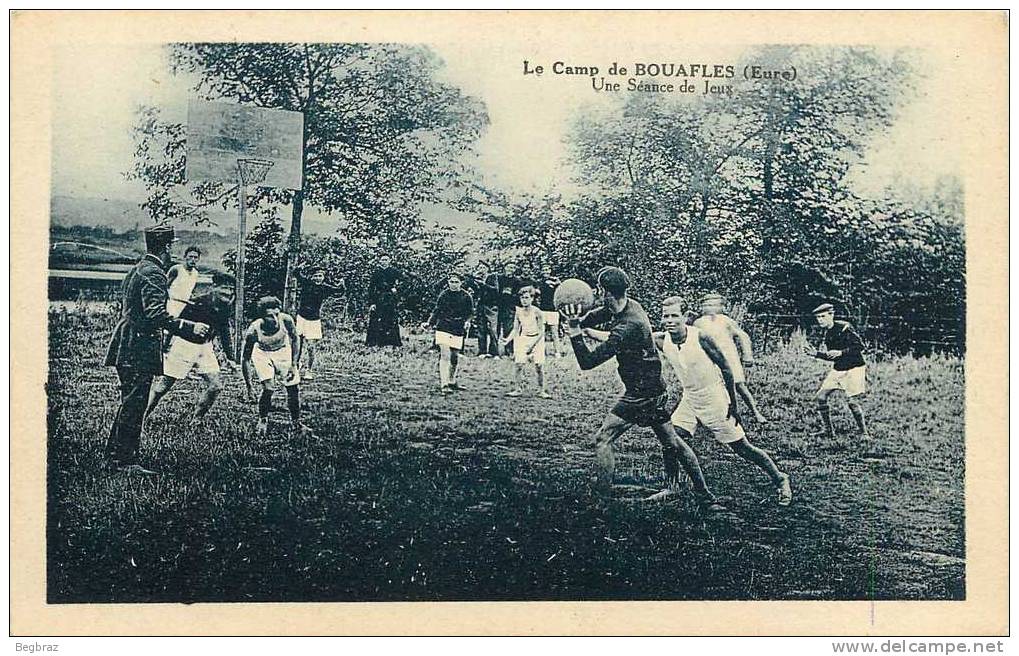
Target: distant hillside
point(123, 216)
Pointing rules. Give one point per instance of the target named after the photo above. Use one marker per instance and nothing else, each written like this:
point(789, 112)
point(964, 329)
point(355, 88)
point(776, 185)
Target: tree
point(379, 132)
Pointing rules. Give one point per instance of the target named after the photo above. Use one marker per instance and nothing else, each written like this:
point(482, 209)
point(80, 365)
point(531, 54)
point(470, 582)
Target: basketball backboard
point(221, 133)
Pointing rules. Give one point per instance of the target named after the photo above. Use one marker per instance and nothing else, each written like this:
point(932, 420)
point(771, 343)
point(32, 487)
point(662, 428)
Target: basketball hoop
point(253, 170)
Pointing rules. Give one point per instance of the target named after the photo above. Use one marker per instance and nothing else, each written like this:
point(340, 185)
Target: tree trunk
point(293, 252)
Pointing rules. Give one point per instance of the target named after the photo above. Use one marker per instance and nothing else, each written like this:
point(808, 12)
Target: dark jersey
point(842, 337)
point(630, 342)
point(452, 310)
point(312, 297)
point(210, 309)
point(546, 298)
point(508, 287)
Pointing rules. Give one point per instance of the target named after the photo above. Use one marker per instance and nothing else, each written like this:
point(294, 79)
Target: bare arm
point(746, 348)
point(288, 323)
point(715, 354)
point(250, 337)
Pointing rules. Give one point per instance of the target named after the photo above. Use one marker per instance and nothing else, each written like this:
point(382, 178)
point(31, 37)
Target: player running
point(645, 401)
point(187, 353)
point(450, 318)
point(709, 391)
point(725, 332)
point(314, 291)
point(268, 348)
point(181, 280)
point(844, 349)
point(528, 338)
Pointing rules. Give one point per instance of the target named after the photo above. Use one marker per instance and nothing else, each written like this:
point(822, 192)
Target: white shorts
point(449, 339)
point(175, 307)
point(520, 356)
point(710, 409)
point(269, 364)
point(309, 328)
point(852, 381)
point(551, 318)
point(183, 356)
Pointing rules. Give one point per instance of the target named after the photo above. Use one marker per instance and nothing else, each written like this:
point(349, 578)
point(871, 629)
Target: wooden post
point(239, 269)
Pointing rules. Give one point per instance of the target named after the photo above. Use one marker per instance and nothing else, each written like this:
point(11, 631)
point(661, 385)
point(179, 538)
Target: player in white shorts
point(191, 353)
point(709, 394)
point(268, 347)
point(181, 280)
point(528, 337)
point(451, 316)
point(726, 333)
point(844, 349)
point(314, 291)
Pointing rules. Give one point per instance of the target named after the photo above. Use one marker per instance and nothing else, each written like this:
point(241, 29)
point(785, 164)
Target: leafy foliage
point(749, 194)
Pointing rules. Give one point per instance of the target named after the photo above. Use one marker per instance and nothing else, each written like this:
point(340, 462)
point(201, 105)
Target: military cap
point(157, 237)
point(824, 308)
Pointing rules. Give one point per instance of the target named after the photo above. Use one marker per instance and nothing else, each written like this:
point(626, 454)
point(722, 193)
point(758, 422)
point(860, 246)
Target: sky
point(97, 89)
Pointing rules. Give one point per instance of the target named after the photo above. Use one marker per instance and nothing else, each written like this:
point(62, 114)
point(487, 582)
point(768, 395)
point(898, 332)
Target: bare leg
point(759, 457)
point(160, 387)
point(311, 354)
point(444, 366)
point(676, 450)
point(748, 398)
point(213, 386)
point(454, 362)
point(517, 379)
point(604, 454)
point(264, 406)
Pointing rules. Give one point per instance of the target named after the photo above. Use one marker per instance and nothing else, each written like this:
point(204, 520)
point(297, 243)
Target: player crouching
point(185, 354)
point(709, 392)
point(268, 347)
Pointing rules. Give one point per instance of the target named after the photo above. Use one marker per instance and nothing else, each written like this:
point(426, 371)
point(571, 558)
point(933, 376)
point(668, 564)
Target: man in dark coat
point(508, 285)
point(384, 311)
point(136, 347)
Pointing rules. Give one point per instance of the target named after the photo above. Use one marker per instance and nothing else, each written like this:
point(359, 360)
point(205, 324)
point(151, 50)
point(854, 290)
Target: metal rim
point(254, 170)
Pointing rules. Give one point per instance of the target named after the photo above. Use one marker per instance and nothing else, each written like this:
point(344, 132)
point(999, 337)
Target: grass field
point(405, 495)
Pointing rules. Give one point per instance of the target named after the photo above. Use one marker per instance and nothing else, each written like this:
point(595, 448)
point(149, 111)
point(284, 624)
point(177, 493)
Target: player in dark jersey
point(645, 401)
point(187, 353)
point(314, 291)
point(450, 318)
point(546, 303)
point(844, 349)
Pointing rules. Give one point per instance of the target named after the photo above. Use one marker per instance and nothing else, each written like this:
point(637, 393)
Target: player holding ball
point(645, 400)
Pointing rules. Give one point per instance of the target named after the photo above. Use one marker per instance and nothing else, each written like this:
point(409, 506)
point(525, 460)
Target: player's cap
point(824, 308)
point(158, 237)
point(709, 298)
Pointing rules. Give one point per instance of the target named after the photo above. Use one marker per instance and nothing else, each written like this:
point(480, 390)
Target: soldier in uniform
point(136, 347)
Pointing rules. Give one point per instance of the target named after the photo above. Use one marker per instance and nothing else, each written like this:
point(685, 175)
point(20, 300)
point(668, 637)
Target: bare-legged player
point(268, 347)
point(645, 401)
point(725, 332)
point(185, 354)
point(709, 392)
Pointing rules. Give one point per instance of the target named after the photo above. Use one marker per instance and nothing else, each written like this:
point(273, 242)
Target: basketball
point(573, 291)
